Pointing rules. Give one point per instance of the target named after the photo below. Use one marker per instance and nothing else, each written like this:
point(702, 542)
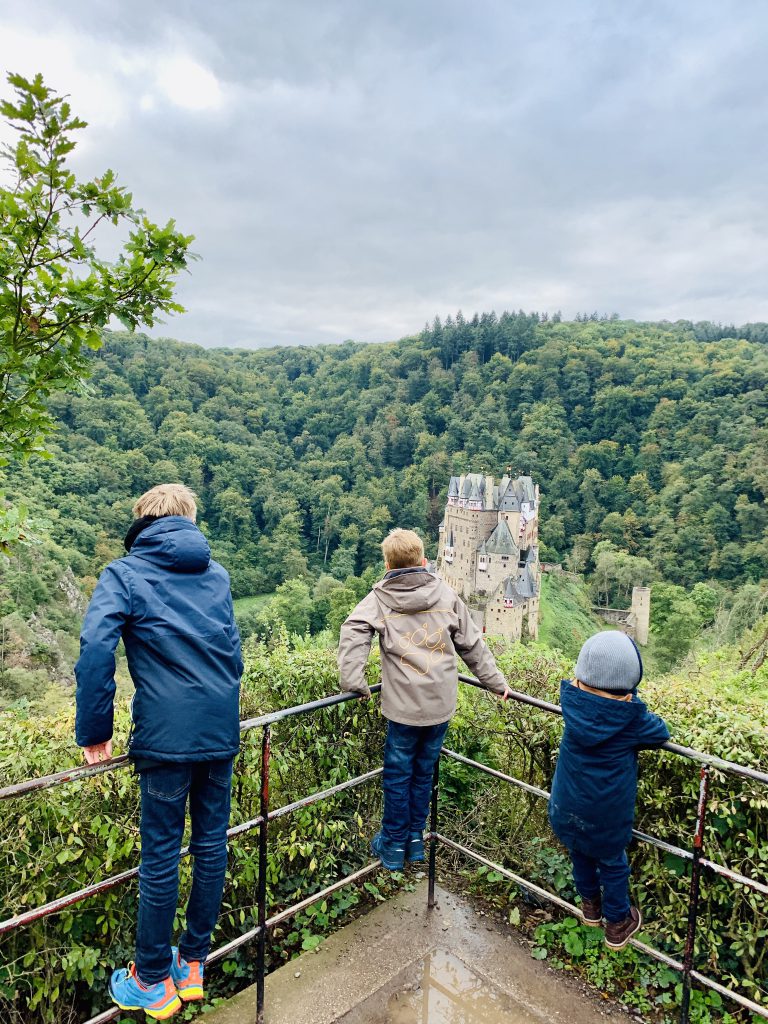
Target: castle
point(488, 551)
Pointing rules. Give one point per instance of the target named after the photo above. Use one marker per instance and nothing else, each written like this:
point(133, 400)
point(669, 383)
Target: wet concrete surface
point(440, 989)
point(403, 964)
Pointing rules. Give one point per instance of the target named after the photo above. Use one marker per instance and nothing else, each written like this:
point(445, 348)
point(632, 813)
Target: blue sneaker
point(414, 852)
point(390, 855)
point(187, 976)
point(159, 1001)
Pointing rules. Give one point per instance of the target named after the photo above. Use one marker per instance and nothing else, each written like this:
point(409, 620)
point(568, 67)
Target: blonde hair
point(167, 500)
point(402, 548)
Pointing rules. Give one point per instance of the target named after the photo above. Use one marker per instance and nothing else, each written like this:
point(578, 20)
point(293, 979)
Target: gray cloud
point(350, 170)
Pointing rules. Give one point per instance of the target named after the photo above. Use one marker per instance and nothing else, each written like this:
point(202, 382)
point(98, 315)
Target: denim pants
point(611, 875)
point(410, 753)
point(164, 792)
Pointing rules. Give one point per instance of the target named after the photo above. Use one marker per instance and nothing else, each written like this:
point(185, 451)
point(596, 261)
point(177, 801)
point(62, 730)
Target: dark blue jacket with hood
point(172, 606)
point(592, 807)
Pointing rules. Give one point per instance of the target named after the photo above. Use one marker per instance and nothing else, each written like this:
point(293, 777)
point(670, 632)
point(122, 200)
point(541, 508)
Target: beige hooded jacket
point(422, 625)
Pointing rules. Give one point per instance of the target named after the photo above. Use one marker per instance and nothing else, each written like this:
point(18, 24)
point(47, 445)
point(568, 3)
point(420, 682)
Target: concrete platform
point(402, 964)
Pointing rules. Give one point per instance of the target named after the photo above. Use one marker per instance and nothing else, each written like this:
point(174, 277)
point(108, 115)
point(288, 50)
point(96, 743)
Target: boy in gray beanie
point(592, 807)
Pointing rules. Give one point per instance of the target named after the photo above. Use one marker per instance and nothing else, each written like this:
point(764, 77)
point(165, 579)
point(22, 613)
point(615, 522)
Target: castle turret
point(488, 493)
point(466, 489)
point(474, 498)
point(640, 613)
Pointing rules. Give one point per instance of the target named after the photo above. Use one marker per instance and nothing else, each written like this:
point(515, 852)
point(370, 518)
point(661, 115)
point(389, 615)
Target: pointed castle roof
point(501, 541)
point(524, 489)
point(511, 593)
point(526, 585)
point(508, 499)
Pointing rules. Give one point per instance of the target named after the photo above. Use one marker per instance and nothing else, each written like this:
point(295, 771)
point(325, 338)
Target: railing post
point(693, 895)
point(262, 877)
point(432, 831)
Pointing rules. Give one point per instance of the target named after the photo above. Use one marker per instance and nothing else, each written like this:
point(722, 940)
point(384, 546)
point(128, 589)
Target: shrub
point(63, 838)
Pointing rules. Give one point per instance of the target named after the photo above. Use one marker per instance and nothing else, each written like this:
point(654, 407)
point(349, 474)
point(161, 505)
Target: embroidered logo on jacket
point(421, 648)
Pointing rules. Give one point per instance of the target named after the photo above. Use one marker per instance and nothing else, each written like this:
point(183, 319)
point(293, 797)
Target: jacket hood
point(173, 543)
point(409, 591)
point(596, 719)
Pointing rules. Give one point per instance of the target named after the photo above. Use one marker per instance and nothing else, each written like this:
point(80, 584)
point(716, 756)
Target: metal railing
point(261, 822)
point(695, 855)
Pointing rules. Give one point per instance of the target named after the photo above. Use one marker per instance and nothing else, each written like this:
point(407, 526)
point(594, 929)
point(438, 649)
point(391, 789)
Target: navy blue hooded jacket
point(172, 606)
point(592, 807)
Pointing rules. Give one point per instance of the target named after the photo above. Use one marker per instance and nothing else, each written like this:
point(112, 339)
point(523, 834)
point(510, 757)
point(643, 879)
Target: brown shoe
point(618, 933)
point(592, 911)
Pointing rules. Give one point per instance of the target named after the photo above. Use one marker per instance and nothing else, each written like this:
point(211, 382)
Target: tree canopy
point(56, 292)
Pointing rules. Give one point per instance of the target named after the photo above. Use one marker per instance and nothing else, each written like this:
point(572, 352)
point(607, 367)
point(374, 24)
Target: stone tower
point(640, 614)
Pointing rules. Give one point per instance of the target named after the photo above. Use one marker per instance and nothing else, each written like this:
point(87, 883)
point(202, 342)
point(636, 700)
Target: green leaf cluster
point(56, 293)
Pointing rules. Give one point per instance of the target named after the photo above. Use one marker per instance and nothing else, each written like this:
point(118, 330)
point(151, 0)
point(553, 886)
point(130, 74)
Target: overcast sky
point(351, 168)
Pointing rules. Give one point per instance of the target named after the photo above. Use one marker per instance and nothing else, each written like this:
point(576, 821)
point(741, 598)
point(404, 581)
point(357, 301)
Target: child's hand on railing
point(98, 752)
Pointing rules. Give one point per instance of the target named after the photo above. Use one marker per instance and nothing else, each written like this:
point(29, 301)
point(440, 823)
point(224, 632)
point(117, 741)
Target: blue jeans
point(410, 753)
point(164, 792)
point(610, 874)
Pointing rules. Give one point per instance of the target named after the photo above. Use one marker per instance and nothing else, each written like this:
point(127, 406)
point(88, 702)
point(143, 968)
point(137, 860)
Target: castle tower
point(640, 613)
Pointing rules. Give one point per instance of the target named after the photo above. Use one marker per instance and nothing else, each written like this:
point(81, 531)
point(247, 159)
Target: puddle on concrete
point(446, 991)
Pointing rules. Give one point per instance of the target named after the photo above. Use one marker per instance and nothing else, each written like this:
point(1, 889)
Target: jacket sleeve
point(652, 731)
point(107, 614)
point(234, 633)
point(469, 643)
point(355, 646)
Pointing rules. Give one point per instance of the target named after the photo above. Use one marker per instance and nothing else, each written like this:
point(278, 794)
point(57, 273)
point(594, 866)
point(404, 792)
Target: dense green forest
point(649, 442)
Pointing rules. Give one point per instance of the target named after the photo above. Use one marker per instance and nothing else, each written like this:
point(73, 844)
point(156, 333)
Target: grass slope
point(254, 603)
point(566, 615)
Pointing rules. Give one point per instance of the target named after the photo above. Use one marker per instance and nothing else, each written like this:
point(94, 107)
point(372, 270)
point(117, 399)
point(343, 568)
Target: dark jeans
point(410, 753)
point(610, 874)
point(164, 792)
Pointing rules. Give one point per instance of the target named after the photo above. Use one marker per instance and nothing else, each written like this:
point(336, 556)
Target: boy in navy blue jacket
point(592, 807)
point(172, 606)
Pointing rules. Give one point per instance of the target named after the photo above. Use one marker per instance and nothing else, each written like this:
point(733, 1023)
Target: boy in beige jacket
point(422, 625)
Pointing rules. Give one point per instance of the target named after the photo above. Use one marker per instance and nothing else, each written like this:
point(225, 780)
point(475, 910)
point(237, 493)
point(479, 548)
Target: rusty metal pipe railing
point(283, 915)
point(87, 771)
point(261, 822)
point(63, 902)
point(755, 774)
point(747, 1004)
point(644, 837)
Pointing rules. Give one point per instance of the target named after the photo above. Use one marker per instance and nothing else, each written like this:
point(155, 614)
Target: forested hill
point(651, 436)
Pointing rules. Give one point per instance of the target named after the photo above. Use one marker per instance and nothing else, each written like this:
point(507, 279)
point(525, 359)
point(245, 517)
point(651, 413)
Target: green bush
point(66, 837)
point(713, 708)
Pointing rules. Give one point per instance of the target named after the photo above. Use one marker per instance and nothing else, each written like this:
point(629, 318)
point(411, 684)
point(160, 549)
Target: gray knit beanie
point(610, 661)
